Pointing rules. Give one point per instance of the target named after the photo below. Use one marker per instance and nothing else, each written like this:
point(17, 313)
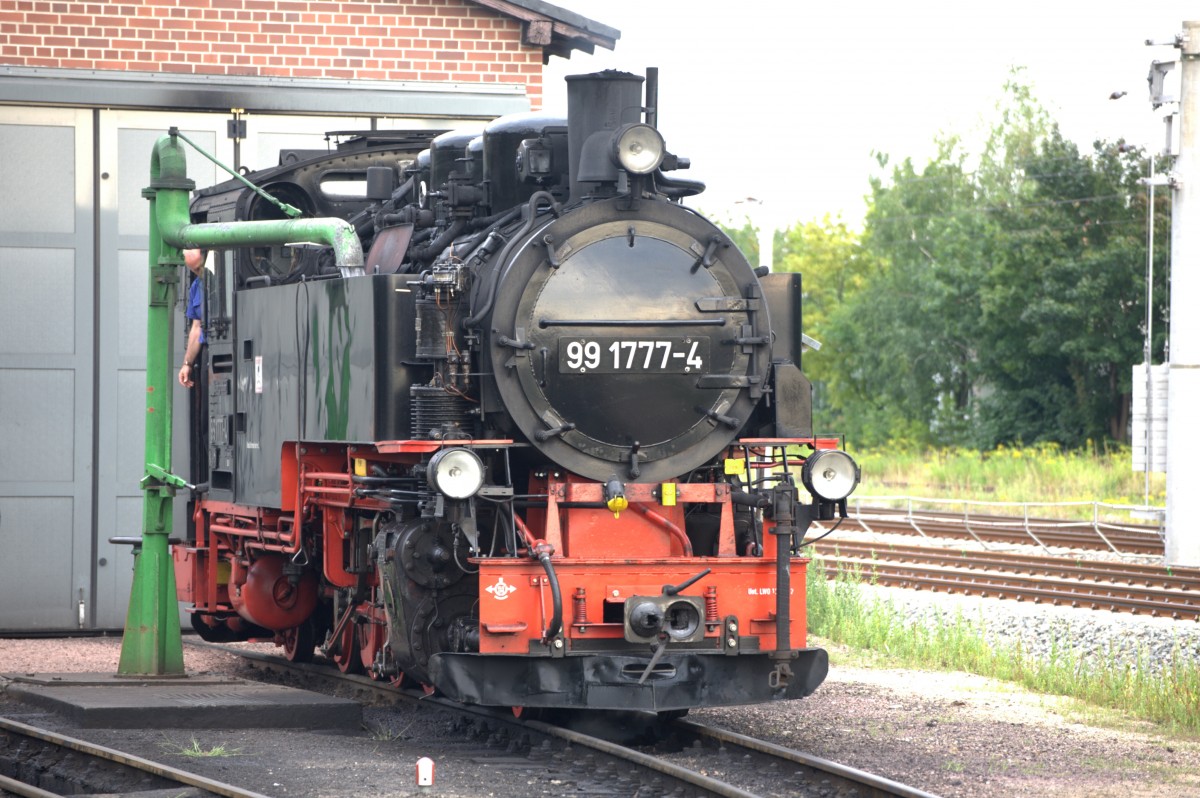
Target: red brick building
point(429, 41)
point(85, 90)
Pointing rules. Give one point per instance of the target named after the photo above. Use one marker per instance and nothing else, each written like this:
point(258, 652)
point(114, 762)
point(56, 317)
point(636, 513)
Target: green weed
point(383, 732)
point(839, 611)
point(197, 751)
point(1042, 473)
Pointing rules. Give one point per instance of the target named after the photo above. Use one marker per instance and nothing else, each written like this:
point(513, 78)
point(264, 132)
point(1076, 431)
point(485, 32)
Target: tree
point(744, 238)
point(1060, 369)
point(1008, 299)
point(834, 266)
point(910, 333)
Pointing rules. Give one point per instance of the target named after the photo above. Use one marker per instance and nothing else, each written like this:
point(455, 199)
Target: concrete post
point(1183, 393)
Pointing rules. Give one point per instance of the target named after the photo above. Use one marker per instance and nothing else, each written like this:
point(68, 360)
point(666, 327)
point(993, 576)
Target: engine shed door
point(46, 366)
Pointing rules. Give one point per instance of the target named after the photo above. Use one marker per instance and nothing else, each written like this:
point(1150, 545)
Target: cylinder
point(271, 598)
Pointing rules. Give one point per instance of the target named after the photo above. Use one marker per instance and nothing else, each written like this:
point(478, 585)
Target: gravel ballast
point(952, 734)
point(1044, 632)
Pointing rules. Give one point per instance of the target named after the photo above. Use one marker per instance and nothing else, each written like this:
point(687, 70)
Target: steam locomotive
point(542, 451)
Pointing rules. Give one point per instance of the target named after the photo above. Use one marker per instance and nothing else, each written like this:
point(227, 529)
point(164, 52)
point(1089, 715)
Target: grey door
point(73, 270)
point(46, 367)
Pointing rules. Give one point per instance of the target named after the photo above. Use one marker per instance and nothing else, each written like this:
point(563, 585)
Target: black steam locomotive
point(541, 452)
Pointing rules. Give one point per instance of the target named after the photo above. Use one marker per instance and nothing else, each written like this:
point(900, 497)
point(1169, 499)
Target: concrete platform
point(110, 701)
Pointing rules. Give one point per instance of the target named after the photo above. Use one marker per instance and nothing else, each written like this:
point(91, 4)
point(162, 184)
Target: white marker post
point(424, 772)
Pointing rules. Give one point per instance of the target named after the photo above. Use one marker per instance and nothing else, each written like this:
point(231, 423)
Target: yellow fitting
point(616, 504)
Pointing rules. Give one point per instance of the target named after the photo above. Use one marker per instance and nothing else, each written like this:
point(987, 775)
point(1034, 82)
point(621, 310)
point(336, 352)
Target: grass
point(839, 611)
point(384, 733)
point(195, 750)
point(1042, 473)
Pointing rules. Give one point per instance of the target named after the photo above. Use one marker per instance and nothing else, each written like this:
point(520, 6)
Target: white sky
point(785, 101)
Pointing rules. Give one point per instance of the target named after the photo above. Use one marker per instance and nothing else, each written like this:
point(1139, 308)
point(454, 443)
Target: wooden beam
point(538, 32)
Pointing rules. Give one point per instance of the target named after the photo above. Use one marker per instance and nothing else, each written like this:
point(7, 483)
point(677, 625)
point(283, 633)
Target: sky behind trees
point(786, 102)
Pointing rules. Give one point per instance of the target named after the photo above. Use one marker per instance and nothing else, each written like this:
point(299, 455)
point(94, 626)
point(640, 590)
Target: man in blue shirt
point(194, 259)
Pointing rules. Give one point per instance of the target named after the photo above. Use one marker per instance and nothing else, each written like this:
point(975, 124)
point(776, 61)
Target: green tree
point(1065, 302)
point(909, 336)
point(834, 266)
point(1006, 296)
point(744, 238)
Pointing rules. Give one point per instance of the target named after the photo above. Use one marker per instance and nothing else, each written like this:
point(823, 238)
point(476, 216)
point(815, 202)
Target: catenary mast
point(1183, 396)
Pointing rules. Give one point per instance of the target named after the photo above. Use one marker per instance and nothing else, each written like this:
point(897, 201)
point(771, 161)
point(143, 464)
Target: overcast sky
point(785, 101)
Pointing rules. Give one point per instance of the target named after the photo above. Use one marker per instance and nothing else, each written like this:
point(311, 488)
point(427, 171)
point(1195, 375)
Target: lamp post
point(1150, 181)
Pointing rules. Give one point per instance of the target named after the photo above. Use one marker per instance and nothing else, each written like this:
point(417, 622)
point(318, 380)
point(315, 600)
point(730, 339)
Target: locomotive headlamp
point(456, 473)
point(638, 148)
point(830, 474)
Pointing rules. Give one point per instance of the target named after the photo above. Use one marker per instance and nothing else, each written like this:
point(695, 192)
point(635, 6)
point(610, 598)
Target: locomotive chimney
point(595, 102)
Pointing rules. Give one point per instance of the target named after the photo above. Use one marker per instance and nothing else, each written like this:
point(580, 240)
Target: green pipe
point(152, 643)
point(168, 173)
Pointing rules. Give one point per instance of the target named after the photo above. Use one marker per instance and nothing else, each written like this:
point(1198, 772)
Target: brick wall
point(428, 40)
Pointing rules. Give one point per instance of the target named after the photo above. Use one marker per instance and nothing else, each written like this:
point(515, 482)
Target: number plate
point(640, 355)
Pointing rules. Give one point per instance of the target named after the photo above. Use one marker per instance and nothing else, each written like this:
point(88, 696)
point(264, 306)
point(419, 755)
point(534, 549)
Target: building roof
point(556, 30)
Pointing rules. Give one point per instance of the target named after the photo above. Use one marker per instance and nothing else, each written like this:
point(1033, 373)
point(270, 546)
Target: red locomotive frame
point(235, 566)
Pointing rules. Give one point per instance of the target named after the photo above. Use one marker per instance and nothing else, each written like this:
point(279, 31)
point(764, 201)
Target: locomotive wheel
point(371, 637)
point(528, 713)
point(347, 655)
point(300, 642)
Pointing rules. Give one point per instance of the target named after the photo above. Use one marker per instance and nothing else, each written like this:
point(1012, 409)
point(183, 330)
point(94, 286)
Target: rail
point(809, 775)
point(24, 733)
point(981, 515)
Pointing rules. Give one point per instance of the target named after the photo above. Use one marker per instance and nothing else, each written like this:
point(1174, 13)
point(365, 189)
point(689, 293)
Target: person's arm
point(190, 354)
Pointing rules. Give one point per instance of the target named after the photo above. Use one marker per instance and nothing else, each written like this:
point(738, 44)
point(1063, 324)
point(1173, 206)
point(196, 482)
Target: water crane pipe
point(168, 178)
point(152, 644)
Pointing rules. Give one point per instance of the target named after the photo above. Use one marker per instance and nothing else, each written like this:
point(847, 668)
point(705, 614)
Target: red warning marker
point(424, 772)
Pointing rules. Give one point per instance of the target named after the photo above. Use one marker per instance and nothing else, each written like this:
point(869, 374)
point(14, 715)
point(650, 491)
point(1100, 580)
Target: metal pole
point(152, 643)
point(1183, 393)
point(1149, 320)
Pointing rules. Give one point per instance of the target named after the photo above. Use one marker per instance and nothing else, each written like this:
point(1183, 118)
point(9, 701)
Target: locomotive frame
point(539, 451)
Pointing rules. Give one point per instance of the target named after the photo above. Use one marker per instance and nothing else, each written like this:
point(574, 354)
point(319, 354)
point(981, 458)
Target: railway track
point(800, 773)
point(686, 758)
point(38, 763)
point(1071, 581)
point(1094, 535)
point(1175, 579)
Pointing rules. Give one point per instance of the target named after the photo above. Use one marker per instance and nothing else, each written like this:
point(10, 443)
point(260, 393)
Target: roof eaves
point(556, 30)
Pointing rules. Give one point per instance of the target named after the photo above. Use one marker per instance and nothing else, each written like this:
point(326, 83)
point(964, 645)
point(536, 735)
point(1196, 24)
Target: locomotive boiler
point(541, 450)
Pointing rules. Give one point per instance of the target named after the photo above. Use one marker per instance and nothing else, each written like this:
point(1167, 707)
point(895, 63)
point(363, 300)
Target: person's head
point(194, 259)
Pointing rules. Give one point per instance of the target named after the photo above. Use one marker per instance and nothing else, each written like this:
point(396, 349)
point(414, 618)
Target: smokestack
point(595, 102)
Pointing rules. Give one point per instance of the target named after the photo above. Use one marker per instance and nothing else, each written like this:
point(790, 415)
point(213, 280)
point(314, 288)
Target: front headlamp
point(830, 474)
point(638, 148)
point(456, 473)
